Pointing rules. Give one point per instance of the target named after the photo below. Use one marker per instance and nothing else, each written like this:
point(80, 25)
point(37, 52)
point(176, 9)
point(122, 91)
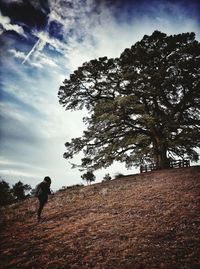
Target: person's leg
point(42, 202)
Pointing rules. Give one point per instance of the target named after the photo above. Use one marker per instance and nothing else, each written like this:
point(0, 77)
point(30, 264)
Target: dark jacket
point(42, 190)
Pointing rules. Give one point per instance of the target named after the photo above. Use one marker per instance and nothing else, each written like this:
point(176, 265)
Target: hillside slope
point(149, 220)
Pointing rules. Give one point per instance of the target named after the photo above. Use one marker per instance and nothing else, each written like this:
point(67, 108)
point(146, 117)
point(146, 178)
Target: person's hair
point(47, 179)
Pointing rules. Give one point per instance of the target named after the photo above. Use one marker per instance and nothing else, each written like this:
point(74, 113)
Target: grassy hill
point(150, 220)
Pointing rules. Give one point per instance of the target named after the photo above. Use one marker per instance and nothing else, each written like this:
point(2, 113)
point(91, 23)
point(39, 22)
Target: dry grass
point(150, 220)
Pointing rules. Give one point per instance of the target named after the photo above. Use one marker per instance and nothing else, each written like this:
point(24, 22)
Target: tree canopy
point(6, 196)
point(142, 107)
point(19, 190)
point(88, 176)
point(16, 193)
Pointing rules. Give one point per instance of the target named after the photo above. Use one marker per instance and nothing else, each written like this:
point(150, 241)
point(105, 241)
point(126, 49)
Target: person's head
point(48, 180)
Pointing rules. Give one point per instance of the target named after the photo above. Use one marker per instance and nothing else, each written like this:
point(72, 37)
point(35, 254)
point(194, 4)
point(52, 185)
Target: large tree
point(142, 107)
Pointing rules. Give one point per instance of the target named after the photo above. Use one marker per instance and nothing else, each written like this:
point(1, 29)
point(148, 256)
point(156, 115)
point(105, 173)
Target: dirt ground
point(149, 220)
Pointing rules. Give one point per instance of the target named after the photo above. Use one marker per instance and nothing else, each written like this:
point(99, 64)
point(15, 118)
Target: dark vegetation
point(17, 192)
point(89, 177)
point(148, 221)
point(76, 186)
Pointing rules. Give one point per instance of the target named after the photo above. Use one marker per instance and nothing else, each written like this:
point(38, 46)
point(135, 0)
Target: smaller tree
point(32, 192)
point(6, 196)
point(89, 177)
point(107, 177)
point(19, 190)
point(118, 175)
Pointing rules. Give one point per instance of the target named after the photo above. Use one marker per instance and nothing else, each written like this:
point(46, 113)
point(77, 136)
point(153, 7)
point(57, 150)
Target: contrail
point(39, 45)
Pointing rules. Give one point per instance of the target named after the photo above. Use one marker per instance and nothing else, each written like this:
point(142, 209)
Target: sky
point(41, 43)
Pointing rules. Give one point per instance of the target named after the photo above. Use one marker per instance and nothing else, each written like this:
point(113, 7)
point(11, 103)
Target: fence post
point(141, 169)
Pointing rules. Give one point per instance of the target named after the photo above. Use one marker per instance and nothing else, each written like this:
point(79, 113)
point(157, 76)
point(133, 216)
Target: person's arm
point(49, 190)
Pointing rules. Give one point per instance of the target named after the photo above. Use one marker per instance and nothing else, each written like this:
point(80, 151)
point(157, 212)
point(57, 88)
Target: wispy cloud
point(16, 173)
point(39, 45)
point(6, 25)
point(39, 60)
point(17, 54)
point(13, 1)
point(75, 29)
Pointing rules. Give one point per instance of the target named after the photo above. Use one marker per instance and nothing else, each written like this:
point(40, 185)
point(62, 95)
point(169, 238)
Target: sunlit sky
point(42, 42)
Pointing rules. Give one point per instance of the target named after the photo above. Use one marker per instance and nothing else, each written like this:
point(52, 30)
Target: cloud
point(34, 126)
point(15, 121)
point(16, 173)
point(19, 170)
point(74, 26)
point(13, 1)
point(6, 25)
point(39, 60)
point(17, 54)
point(47, 39)
point(35, 56)
point(39, 45)
point(46, 61)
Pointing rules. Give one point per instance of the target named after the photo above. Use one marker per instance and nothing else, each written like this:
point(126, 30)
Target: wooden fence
point(173, 164)
point(179, 163)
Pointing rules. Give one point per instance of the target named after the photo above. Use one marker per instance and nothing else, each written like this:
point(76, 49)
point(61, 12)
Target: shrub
point(118, 175)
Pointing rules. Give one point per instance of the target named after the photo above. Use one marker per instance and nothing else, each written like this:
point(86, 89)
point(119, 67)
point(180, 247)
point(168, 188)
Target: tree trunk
point(160, 155)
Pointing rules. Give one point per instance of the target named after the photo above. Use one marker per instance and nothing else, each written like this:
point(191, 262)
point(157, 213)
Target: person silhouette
point(42, 192)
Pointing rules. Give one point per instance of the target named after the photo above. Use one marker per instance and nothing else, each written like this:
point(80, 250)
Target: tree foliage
point(107, 177)
point(16, 193)
point(19, 190)
point(6, 196)
point(143, 106)
point(88, 176)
